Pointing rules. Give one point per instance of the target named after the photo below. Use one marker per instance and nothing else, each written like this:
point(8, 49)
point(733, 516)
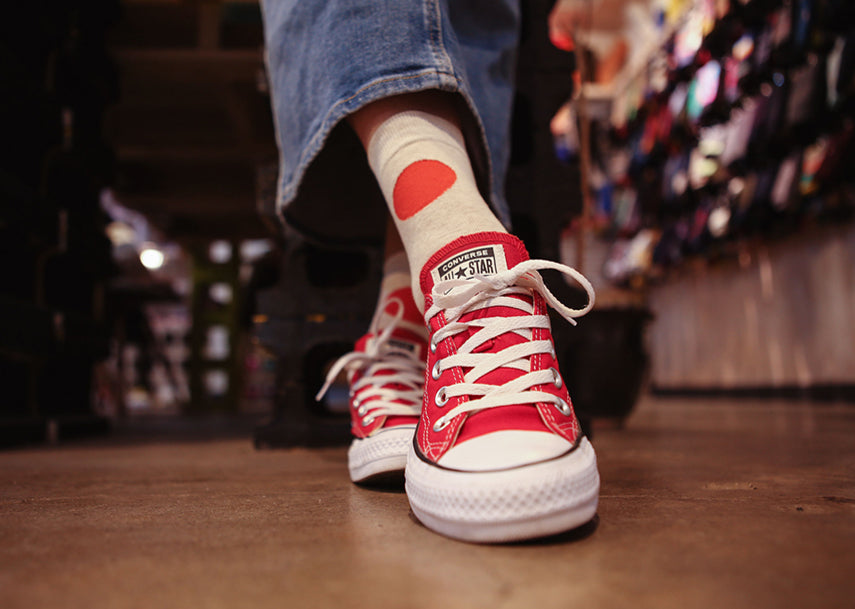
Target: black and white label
point(402, 345)
point(483, 260)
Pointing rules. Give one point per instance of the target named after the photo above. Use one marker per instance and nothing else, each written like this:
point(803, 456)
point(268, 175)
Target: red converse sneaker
point(498, 454)
point(386, 376)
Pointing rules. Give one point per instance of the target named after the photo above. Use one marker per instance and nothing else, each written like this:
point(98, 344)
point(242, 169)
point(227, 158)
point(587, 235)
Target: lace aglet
point(320, 394)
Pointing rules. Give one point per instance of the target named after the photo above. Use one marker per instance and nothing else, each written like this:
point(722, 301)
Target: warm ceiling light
point(152, 258)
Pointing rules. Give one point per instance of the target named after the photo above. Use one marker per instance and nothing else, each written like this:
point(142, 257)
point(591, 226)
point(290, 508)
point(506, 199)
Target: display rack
point(734, 123)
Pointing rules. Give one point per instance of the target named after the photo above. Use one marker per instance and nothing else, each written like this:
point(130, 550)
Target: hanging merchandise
point(784, 191)
point(739, 125)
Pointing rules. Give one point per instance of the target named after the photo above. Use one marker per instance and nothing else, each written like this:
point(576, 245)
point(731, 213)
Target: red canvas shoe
point(498, 454)
point(385, 372)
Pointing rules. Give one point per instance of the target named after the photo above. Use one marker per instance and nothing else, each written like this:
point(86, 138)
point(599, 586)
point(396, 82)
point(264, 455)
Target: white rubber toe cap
point(504, 450)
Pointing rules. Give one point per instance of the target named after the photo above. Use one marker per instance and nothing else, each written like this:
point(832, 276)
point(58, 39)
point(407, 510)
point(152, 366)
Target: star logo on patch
point(461, 273)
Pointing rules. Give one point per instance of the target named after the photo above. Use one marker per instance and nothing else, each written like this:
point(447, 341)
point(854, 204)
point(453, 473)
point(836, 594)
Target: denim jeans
point(328, 58)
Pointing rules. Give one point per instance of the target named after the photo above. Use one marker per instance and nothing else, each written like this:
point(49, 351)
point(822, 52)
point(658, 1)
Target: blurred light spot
point(221, 293)
point(120, 233)
point(220, 252)
point(718, 221)
point(216, 382)
point(152, 258)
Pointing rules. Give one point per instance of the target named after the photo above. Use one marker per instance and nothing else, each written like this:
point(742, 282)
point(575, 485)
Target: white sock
point(396, 275)
point(421, 164)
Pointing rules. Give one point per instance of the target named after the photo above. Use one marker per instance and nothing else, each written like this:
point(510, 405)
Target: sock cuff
point(407, 128)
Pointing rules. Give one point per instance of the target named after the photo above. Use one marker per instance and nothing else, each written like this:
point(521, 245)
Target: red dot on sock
point(419, 185)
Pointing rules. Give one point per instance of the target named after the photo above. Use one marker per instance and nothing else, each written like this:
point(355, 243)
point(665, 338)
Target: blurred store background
point(702, 176)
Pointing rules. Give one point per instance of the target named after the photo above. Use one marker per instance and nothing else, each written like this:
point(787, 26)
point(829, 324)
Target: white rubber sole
point(384, 453)
point(525, 502)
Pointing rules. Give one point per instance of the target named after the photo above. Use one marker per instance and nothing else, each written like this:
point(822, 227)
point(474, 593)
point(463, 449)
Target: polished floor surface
point(704, 504)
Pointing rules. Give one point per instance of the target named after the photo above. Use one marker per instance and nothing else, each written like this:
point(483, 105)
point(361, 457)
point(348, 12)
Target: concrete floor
point(704, 504)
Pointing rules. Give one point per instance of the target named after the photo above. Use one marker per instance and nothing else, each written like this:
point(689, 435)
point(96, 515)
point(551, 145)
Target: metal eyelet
point(435, 372)
point(564, 408)
point(367, 421)
point(433, 346)
point(440, 399)
point(441, 423)
point(361, 411)
point(556, 379)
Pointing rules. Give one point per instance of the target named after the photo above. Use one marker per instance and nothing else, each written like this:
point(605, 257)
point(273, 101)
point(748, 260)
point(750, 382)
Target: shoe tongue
point(400, 341)
point(399, 344)
point(466, 257)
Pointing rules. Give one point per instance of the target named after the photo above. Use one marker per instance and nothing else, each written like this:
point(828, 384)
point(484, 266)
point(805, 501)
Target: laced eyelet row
point(440, 399)
point(441, 423)
point(361, 410)
point(564, 408)
point(556, 378)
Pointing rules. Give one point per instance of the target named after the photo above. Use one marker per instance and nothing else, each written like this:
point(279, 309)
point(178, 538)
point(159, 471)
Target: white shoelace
point(383, 365)
point(458, 296)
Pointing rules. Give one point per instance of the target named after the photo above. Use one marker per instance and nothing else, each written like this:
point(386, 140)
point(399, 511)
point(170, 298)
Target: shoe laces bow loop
point(392, 377)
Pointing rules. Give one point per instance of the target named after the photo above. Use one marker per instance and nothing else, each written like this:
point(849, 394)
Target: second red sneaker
point(498, 454)
point(385, 373)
